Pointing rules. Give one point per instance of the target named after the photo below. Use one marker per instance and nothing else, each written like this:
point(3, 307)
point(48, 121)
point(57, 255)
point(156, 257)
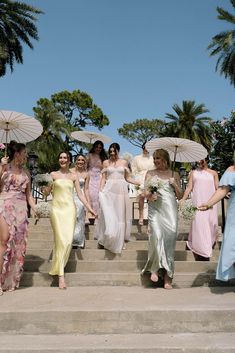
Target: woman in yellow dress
point(63, 214)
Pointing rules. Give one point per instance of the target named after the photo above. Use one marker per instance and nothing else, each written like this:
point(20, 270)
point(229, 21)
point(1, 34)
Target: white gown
point(114, 221)
point(79, 232)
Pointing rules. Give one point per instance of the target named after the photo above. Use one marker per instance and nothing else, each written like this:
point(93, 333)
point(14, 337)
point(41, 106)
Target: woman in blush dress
point(162, 218)
point(96, 157)
point(83, 177)
point(226, 265)
point(63, 214)
point(14, 197)
point(114, 221)
point(203, 232)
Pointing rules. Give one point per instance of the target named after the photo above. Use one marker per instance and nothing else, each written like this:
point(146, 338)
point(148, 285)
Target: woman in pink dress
point(14, 197)
point(203, 232)
point(96, 157)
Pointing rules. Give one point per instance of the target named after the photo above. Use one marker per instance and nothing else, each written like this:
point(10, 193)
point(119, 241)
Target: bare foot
point(62, 284)
point(154, 277)
point(141, 222)
point(167, 282)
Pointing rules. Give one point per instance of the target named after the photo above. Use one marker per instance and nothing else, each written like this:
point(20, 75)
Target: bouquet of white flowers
point(43, 179)
point(187, 210)
point(154, 185)
point(43, 210)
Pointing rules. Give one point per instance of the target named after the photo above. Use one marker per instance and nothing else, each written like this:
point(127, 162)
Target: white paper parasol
point(90, 136)
point(179, 149)
point(18, 126)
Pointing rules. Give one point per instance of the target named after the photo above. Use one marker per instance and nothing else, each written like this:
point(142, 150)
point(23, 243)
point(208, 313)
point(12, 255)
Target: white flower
point(43, 210)
point(43, 179)
point(187, 210)
point(154, 185)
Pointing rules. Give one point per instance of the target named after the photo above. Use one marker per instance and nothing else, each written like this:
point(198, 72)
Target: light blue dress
point(163, 222)
point(79, 232)
point(226, 267)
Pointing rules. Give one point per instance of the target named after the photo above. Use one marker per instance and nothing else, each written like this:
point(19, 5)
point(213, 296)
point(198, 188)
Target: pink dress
point(94, 170)
point(203, 230)
point(13, 208)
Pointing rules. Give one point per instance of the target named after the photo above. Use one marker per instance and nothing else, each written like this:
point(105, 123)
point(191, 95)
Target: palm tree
point(48, 145)
point(16, 27)
point(188, 123)
point(223, 44)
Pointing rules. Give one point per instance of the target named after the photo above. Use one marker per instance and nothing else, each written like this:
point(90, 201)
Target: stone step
point(35, 264)
point(219, 342)
point(117, 310)
point(133, 244)
point(101, 254)
point(75, 279)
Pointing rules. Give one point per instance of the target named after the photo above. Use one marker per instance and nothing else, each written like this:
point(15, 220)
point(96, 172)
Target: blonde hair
point(163, 155)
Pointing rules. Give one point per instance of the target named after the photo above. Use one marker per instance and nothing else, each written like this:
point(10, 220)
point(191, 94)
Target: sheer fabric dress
point(226, 264)
point(79, 232)
point(95, 166)
point(13, 208)
point(114, 222)
point(63, 219)
point(163, 221)
point(204, 227)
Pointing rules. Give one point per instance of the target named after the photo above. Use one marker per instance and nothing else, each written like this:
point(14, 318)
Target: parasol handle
point(173, 165)
point(7, 130)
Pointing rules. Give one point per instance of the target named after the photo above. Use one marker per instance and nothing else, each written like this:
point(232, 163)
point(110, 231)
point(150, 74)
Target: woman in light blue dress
point(162, 217)
point(226, 264)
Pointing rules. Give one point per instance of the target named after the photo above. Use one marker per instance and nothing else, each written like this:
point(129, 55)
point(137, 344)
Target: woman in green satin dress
point(162, 217)
point(63, 214)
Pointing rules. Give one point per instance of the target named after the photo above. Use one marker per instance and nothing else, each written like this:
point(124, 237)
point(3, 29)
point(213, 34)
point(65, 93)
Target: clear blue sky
point(136, 58)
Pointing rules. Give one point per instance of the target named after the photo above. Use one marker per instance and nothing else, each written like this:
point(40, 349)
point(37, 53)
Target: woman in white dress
point(114, 221)
point(82, 219)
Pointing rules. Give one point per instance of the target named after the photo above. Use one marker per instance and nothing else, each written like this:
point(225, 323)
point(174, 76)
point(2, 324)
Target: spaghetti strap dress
point(63, 219)
point(13, 208)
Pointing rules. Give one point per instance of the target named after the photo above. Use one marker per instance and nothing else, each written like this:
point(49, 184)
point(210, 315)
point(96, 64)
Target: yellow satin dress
point(63, 220)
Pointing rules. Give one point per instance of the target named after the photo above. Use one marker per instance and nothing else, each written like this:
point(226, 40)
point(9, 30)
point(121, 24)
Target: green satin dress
point(163, 222)
point(63, 220)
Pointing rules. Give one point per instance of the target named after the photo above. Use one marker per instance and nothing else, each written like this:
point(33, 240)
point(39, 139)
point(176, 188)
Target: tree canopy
point(142, 130)
point(223, 45)
point(17, 27)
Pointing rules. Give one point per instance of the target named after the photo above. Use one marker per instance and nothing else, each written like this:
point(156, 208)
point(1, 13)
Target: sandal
point(167, 282)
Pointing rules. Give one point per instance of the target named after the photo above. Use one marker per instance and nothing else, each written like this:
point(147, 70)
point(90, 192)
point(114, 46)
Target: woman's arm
point(81, 197)
point(175, 182)
point(219, 194)
point(216, 179)
point(86, 187)
point(29, 196)
point(127, 175)
point(4, 162)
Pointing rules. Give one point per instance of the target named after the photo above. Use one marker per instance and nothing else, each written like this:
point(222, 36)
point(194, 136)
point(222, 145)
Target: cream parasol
point(90, 136)
point(19, 127)
point(179, 149)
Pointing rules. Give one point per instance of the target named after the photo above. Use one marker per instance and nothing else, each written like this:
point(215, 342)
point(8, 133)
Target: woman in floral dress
point(14, 197)
point(96, 157)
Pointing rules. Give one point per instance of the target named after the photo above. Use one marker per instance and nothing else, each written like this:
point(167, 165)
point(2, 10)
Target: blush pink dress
point(94, 170)
point(13, 208)
point(203, 231)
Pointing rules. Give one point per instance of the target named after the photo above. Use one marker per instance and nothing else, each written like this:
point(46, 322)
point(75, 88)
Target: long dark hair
point(14, 147)
point(115, 146)
point(102, 154)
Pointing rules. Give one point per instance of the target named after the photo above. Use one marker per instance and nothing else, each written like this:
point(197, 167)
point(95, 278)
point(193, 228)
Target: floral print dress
point(13, 208)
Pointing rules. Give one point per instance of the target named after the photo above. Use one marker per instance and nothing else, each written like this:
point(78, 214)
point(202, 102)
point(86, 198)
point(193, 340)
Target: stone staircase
point(109, 308)
point(95, 267)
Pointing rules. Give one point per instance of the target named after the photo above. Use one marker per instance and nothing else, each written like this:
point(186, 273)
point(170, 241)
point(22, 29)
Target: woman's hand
point(204, 207)
point(173, 182)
